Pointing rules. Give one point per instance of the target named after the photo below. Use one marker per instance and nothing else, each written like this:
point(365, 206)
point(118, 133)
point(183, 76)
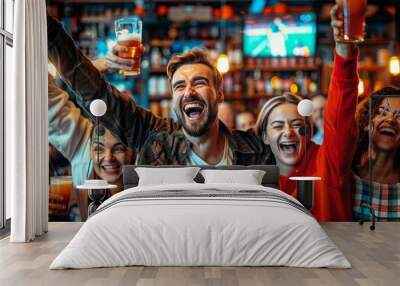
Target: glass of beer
point(60, 192)
point(353, 12)
point(129, 34)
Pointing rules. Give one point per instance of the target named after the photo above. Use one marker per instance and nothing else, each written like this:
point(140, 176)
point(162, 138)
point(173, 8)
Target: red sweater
point(332, 160)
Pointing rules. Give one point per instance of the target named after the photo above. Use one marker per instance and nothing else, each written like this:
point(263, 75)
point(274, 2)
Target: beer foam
point(125, 36)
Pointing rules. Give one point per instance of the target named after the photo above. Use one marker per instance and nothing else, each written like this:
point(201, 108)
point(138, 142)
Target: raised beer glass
point(353, 12)
point(129, 34)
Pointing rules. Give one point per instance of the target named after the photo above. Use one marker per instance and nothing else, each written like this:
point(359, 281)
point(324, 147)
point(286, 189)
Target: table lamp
point(305, 185)
point(98, 108)
point(97, 189)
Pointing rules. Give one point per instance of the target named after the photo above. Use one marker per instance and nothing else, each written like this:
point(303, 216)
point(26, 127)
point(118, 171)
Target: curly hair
point(362, 118)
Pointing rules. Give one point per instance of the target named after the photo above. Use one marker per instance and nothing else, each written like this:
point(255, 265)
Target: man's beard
point(204, 127)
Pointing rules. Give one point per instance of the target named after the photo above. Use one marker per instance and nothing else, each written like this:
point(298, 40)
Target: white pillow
point(248, 177)
point(164, 176)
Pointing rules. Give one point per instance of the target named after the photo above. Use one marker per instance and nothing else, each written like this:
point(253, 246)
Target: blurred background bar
point(296, 56)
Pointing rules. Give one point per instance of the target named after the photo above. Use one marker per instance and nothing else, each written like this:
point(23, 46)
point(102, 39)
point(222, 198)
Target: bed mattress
point(201, 225)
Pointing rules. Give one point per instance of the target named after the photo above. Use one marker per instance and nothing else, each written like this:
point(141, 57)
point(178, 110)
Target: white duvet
point(184, 230)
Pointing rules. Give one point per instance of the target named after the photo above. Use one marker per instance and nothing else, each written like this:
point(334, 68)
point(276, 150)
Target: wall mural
point(180, 112)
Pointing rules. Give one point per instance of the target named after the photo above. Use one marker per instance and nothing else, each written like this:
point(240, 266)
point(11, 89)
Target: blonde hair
point(262, 120)
point(194, 56)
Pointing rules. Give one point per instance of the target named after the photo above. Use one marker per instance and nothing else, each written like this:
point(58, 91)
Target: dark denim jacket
point(158, 141)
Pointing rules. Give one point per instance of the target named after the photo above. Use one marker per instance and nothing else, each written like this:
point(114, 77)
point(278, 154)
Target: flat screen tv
point(291, 35)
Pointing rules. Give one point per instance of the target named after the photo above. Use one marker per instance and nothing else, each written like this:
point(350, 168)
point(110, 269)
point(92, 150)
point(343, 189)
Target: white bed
point(201, 225)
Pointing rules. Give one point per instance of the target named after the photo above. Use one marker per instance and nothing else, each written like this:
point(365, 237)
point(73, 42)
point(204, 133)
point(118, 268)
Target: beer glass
point(61, 186)
point(353, 12)
point(129, 34)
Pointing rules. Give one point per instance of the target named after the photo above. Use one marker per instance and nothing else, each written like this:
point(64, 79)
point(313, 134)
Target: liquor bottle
point(166, 54)
point(237, 83)
point(259, 82)
point(155, 58)
point(228, 84)
point(152, 86)
point(250, 86)
point(268, 86)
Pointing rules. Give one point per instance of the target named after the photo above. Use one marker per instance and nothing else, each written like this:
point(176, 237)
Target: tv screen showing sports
point(280, 36)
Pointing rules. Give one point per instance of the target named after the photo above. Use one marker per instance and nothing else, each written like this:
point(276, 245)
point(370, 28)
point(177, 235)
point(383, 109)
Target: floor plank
point(374, 255)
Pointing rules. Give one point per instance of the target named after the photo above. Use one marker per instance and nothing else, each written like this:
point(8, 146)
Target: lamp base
point(305, 193)
point(97, 196)
point(305, 190)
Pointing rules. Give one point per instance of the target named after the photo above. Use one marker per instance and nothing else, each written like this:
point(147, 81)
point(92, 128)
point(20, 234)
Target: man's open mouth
point(194, 110)
point(289, 148)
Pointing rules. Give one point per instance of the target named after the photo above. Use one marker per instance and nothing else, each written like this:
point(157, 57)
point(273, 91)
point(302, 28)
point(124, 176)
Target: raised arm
point(128, 121)
point(69, 131)
point(340, 131)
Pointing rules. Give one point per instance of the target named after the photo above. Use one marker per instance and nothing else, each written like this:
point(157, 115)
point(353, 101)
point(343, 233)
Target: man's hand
point(114, 62)
point(342, 49)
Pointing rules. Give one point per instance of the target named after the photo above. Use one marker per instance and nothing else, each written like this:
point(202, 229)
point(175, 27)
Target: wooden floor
point(375, 257)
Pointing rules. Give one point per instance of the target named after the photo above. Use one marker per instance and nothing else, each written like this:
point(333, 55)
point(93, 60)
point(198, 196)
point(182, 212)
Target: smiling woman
point(384, 156)
point(79, 141)
point(112, 155)
point(280, 126)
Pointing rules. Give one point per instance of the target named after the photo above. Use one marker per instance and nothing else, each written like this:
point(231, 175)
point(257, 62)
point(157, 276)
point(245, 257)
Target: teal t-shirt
point(225, 160)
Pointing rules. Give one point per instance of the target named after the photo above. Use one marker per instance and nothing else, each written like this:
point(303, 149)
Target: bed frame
point(270, 179)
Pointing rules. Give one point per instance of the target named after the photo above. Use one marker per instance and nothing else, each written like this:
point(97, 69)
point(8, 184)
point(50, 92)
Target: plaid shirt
point(384, 199)
point(158, 141)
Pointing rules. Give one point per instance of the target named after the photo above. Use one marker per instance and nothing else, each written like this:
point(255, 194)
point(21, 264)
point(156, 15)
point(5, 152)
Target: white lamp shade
point(98, 107)
point(305, 107)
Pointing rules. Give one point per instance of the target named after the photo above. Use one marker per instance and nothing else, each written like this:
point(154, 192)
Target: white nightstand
point(96, 192)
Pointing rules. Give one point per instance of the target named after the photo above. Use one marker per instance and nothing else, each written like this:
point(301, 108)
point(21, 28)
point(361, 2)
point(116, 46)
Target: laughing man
point(198, 138)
